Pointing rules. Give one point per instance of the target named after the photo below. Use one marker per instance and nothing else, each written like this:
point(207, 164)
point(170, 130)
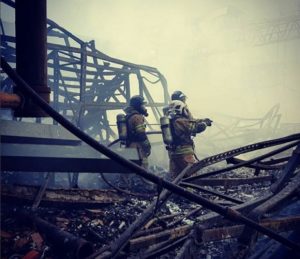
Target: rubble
point(102, 226)
point(114, 227)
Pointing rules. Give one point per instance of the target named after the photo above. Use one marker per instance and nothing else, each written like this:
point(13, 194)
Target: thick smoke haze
point(223, 54)
point(207, 49)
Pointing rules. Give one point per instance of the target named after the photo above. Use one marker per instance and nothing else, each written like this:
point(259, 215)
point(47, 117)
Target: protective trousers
point(179, 162)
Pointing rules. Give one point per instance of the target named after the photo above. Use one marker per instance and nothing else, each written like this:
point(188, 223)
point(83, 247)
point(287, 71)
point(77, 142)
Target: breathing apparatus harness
point(125, 135)
point(171, 139)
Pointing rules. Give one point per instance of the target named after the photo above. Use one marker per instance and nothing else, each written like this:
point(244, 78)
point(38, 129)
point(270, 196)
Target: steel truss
point(283, 191)
point(284, 29)
point(88, 87)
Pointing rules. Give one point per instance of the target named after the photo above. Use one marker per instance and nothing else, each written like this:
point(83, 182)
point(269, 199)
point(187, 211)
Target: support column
point(31, 53)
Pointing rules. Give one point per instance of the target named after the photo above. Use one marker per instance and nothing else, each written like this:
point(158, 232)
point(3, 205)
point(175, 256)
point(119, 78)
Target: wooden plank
point(282, 224)
point(59, 197)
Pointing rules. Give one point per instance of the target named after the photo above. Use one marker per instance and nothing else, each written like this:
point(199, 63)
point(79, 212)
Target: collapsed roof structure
point(85, 86)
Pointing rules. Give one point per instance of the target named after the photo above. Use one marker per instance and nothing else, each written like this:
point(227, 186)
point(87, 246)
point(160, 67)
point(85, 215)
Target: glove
point(146, 148)
point(148, 151)
point(208, 122)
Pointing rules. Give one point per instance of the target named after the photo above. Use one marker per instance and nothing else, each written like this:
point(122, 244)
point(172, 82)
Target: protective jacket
point(189, 113)
point(182, 153)
point(183, 129)
point(136, 130)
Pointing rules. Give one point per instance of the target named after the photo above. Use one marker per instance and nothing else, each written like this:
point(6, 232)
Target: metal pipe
point(31, 53)
point(224, 211)
point(9, 100)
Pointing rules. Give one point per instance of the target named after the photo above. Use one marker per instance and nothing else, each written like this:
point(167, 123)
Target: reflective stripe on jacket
point(136, 129)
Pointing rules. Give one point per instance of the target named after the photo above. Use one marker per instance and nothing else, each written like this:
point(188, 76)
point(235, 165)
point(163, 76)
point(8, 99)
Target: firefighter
point(179, 140)
point(136, 128)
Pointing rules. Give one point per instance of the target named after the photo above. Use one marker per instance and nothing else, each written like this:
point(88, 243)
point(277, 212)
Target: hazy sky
point(199, 46)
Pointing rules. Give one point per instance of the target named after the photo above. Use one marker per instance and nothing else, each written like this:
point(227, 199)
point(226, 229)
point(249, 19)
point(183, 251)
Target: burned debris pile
point(248, 209)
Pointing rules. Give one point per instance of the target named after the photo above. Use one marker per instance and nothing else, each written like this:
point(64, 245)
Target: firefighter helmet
point(177, 107)
point(178, 95)
point(138, 103)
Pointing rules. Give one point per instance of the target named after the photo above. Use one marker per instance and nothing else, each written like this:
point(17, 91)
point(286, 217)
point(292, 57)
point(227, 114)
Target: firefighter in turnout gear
point(136, 128)
point(182, 128)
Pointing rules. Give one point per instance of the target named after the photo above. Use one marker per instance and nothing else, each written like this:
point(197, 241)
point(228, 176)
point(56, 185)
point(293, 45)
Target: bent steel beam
point(225, 211)
point(288, 171)
point(197, 166)
point(232, 181)
point(247, 237)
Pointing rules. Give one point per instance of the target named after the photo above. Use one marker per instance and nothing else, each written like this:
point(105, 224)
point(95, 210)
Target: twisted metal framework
point(290, 176)
point(87, 85)
point(230, 213)
point(283, 29)
point(266, 126)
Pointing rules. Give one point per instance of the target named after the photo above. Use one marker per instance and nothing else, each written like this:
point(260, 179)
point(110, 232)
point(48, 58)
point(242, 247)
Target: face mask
point(143, 110)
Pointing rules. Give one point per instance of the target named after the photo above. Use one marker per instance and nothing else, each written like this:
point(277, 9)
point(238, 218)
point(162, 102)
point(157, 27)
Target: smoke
point(218, 52)
point(205, 48)
point(222, 54)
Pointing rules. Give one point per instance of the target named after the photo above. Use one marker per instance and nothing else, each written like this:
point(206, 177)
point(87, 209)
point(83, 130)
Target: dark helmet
point(178, 95)
point(138, 103)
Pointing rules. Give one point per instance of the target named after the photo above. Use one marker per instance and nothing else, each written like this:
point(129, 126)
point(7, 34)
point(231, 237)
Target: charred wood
point(280, 225)
point(59, 197)
point(65, 243)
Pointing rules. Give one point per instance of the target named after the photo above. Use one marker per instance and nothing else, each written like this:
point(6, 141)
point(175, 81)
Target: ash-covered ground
point(102, 225)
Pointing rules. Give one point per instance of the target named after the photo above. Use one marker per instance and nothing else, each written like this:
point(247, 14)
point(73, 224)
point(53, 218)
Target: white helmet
point(177, 107)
